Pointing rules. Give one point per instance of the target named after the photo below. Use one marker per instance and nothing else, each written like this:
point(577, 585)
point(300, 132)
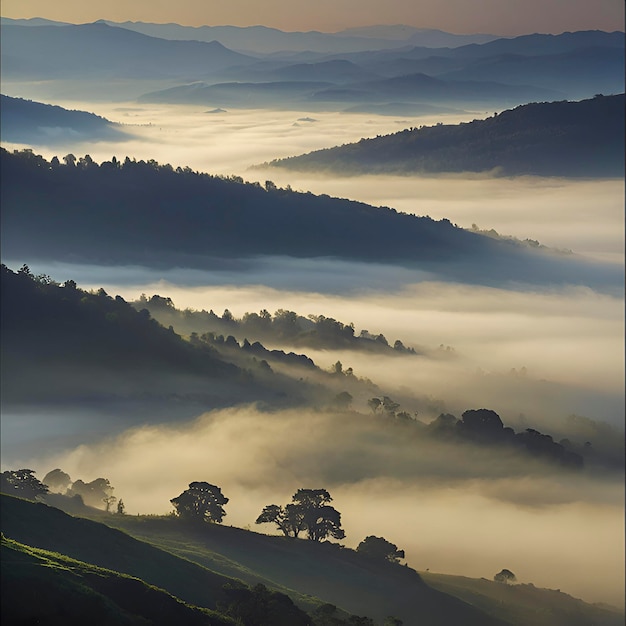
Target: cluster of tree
point(484, 426)
point(22, 483)
point(309, 511)
point(314, 331)
point(550, 138)
point(257, 349)
point(74, 323)
point(95, 493)
point(389, 408)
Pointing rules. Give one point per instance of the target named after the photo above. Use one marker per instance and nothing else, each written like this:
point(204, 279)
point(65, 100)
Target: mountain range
point(162, 63)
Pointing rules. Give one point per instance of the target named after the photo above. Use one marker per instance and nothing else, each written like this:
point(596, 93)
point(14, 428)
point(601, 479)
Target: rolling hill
point(25, 121)
point(93, 566)
point(579, 139)
point(153, 216)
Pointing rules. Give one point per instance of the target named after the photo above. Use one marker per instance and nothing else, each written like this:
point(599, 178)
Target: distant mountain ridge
point(583, 138)
point(266, 40)
point(99, 50)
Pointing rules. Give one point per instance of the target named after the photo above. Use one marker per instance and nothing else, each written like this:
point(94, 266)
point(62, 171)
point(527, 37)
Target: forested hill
point(575, 139)
point(25, 121)
point(61, 344)
point(143, 213)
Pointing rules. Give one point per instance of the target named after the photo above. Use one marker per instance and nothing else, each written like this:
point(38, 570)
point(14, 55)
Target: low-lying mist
point(453, 508)
point(545, 354)
point(536, 356)
point(585, 216)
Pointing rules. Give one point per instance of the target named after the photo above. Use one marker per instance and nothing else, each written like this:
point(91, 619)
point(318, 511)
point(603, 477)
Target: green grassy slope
point(45, 527)
point(42, 587)
point(326, 571)
point(333, 574)
point(524, 604)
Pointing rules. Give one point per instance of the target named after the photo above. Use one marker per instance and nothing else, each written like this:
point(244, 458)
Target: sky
point(500, 17)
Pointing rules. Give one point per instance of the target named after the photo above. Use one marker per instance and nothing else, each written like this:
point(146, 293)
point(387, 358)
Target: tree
point(202, 502)
point(343, 400)
point(109, 501)
point(309, 511)
point(379, 549)
point(121, 508)
point(374, 404)
point(505, 576)
point(289, 520)
point(22, 483)
point(57, 481)
point(93, 493)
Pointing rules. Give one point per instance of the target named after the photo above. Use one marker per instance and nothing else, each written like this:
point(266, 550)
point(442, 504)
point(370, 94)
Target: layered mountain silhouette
point(142, 213)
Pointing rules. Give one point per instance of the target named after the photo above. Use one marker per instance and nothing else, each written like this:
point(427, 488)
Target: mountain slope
point(47, 528)
point(550, 139)
point(46, 587)
point(150, 215)
point(525, 603)
point(25, 121)
point(62, 346)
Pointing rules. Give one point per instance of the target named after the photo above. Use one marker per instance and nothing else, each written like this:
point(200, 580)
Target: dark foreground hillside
point(153, 216)
point(578, 139)
point(164, 573)
point(332, 574)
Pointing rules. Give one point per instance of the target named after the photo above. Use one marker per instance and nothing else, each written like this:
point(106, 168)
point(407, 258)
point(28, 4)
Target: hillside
point(39, 586)
point(351, 583)
point(521, 604)
point(61, 344)
point(175, 557)
point(578, 139)
point(25, 121)
point(154, 216)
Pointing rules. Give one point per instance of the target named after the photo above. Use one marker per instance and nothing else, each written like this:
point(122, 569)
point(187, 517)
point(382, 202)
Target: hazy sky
point(502, 17)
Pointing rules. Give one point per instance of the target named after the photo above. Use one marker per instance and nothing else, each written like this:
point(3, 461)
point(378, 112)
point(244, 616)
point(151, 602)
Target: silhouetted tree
point(121, 508)
point(378, 548)
point(22, 483)
point(309, 511)
point(202, 502)
point(505, 576)
point(288, 519)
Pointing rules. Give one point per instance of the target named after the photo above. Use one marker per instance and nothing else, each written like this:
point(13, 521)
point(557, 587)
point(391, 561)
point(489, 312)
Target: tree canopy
point(379, 549)
point(505, 576)
point(22, 483)
point(309, 511)
point(202, 502)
